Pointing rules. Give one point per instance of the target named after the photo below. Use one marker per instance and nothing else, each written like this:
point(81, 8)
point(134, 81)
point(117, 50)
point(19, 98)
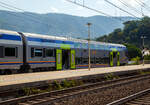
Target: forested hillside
point(131, 33)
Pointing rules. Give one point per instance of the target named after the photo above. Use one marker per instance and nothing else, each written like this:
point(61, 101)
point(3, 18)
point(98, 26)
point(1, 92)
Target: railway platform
point(18, 81)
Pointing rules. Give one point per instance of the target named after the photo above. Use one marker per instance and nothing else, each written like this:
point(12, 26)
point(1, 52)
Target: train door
point(115, 59)
point(66, 59)
point(58, 59)
point(72, 59)
point(118, 58)
point(111, 59)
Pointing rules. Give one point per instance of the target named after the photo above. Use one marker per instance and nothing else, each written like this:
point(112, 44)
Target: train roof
point(59, 38)
point(9, 32)
point(70, 39)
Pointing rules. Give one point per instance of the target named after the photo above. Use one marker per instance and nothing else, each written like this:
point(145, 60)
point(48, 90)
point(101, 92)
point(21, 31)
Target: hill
point(58, 24)
point(131, 33)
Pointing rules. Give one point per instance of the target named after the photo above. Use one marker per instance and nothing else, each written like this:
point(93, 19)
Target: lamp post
point(89, 24)
point(143, 37)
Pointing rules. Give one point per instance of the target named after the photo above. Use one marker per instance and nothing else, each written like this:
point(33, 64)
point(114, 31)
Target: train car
point(11, 48)
point(43, 52)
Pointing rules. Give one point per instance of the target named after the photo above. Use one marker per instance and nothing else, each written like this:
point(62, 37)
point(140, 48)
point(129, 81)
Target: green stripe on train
point(65, 46)
point(58, 59)
point(72, 59)
point(118, 58)
point(111, 59)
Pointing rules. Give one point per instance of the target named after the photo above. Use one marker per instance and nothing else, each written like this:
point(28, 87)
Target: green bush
point(133, 51)
point(57, 85)
point(136, 60)
point(30, 91)
point(66, 84)
point(111, 76)
point(147, 57)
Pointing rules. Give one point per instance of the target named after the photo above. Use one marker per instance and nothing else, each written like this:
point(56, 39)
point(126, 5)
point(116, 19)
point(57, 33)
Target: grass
point(111, 76)
point(56, 85)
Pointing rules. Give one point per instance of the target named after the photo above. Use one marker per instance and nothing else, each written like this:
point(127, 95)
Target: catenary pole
point(89, 66)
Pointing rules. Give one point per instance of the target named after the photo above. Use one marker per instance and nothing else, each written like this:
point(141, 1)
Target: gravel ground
point(106, 96)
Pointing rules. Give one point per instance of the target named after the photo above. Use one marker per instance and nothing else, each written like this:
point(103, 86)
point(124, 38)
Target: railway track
point(140, 98)
point(55, 96)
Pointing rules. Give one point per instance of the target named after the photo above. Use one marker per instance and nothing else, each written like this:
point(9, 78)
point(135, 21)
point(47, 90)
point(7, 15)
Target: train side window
point(78, 61)
point(85, 60)
point(32, 52)
point(49, 52)
point(44, 52)
point(38, 52)
point(10, 52)
point(1, 51)
point(97, 60)
point(16, 52)
point(114, 54)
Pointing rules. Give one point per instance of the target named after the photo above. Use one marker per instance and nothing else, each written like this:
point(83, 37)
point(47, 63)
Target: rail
point(39, 99)
point(129, 98)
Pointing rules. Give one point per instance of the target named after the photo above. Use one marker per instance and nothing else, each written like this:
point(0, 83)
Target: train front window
point(10, 52)
point(38, 52)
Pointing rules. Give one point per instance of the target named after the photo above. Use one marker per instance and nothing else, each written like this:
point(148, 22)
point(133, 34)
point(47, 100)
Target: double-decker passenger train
point(21, 52)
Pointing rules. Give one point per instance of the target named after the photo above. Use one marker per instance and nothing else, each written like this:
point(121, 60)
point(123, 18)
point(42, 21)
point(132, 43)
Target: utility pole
point(143, 37)
point(89, 24)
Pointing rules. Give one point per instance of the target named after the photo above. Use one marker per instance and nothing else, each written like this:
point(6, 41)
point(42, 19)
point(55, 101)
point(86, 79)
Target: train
point(27, 52)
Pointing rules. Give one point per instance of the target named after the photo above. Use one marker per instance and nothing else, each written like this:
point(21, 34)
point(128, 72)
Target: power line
point(121, 9)
point(142, 4)
point(19, 17)
point(92, 9)
point(129, 6)
point(30, 16)
point(15, 14)
point(88, 8)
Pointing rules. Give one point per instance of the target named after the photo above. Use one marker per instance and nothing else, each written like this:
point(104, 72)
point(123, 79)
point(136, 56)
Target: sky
point(62, 6)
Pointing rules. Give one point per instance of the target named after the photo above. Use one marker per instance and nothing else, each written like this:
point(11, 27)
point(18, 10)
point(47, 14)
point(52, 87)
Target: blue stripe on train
point(11, 63)
point(43, 63)
point(29, 63)
point(10, 37)
point(48, 40)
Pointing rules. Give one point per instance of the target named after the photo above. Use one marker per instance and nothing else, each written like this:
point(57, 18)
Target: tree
point(131, 33)
point(133, 51)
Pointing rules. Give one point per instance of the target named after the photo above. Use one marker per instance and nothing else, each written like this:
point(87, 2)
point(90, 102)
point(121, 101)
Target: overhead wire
point(130, 7)
point(14, 26)
point(143, 5)
point(95, 10)
point(88, 7)
point(28, 16)
point(121, 9)
point(98, 11)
